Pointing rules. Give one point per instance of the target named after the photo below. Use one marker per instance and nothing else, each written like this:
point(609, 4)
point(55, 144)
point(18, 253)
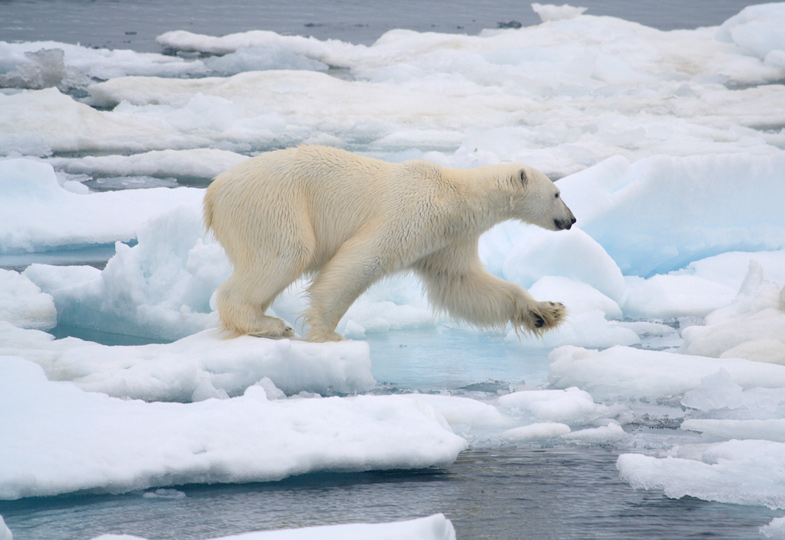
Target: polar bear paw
point(542, 316)
point(322, 336)
point(273, 328)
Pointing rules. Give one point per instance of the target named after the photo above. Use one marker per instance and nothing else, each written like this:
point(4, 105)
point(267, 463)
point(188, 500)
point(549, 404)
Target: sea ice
point(767, 430)
point(5, 532)
point(197, 367)
point(435, 527)
point(115, 445)
point(159, 288)
point(669, 149)
point(625, 372)
point(195, 163)
point(735, 471)
point(752, 326)
point(23, 304)
point(37, 214)
point(775, 529)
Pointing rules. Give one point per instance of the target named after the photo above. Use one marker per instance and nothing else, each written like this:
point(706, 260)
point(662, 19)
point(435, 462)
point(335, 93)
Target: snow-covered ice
point(669, 148)
point(32, 216)
point(436, 527)
point(197, 367)
point(115, 445)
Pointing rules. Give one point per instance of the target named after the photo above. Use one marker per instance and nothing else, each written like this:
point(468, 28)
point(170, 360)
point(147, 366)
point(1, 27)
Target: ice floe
point(115, 445)
point(436, 527)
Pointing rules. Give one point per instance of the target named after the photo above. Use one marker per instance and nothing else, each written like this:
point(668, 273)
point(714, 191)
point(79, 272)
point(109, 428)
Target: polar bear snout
point(565, 223)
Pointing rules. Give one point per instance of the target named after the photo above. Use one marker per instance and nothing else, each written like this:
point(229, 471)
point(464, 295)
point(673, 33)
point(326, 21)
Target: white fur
point(349, 220)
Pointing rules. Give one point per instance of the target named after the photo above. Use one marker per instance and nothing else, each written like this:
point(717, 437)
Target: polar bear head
point(535, 198)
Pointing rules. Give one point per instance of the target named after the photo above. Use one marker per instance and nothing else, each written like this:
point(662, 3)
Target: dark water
point(533, 494)
point(135, 24)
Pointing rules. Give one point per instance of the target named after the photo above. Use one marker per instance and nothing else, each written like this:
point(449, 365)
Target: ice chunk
point(43, 121)
point(759, 350)
point(570, 406)
point(43, 68)
point(737, 472)
point(775, 529)
point(716, 391)
point(628, 372)
point(41, 64)
point(572, 254)
point(768, 430)
point(331, 52)
point(159, 288)
point(23, 304)
point(261, 58)
point(588, 329)
point(756, 29)
point(435, 527)
point(468, 417)
point(5, 532)
point(550, 12)
point(666, 296)
point(36, 214)
point(197, 367)
point(612, 433)
point(731, 268)
point(544, 430)
point(198, 163)
point(587, 323)
point(751, 327)
point(60, 439)
point(579, 297)
point(677, 210)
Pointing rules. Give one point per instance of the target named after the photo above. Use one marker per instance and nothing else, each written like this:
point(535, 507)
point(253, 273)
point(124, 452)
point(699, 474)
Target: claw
point(538, 320)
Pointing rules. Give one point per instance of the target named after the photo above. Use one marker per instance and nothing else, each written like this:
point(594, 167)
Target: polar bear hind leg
point(242, 301)
point(348, 274)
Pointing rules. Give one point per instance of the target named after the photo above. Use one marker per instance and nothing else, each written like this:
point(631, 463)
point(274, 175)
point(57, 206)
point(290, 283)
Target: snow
point(435, 527)
point(668, 146)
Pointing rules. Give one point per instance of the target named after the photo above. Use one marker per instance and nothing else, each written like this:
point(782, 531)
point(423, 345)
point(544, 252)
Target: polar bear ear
point(523, 177)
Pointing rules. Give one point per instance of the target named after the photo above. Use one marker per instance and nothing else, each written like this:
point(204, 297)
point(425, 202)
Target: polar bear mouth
point(564, 224)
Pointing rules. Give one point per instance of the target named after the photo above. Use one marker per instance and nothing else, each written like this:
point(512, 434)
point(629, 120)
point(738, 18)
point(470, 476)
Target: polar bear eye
point(556, 196)
point(524, 179)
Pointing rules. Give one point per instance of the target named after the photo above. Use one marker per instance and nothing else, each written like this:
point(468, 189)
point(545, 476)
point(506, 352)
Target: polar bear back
point(323, 196)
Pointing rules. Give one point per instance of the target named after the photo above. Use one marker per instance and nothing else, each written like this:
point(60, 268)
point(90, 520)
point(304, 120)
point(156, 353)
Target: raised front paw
point(542, 316)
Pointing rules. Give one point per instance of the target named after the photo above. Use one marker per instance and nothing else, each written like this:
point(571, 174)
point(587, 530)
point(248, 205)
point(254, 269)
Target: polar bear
point(349, 220)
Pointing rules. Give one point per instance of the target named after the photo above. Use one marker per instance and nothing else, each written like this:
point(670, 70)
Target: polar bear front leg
point(457, 283)
point(537, 317)
point(353, 269)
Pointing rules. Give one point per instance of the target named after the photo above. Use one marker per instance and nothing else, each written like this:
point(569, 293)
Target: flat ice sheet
point(436, 527)
point(113, 445)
